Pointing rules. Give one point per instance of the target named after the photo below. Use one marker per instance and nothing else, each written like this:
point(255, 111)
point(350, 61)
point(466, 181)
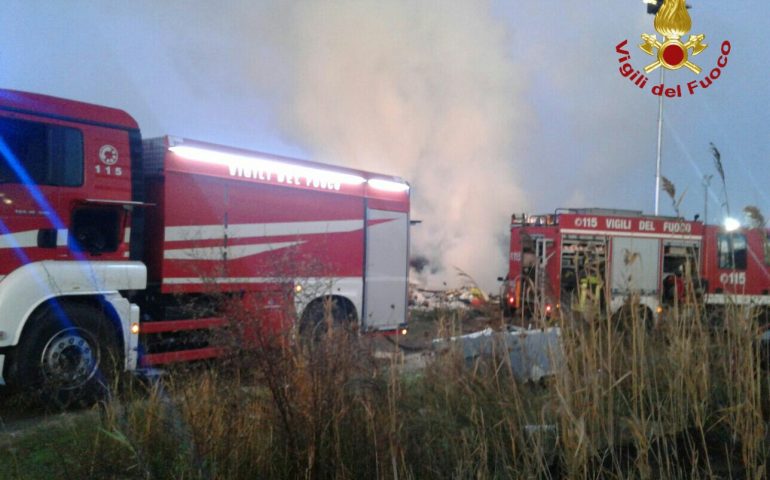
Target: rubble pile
point(466, 297)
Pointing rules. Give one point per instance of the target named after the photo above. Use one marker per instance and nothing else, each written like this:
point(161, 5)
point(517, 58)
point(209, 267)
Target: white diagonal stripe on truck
point(245, 230)
point(233, 252)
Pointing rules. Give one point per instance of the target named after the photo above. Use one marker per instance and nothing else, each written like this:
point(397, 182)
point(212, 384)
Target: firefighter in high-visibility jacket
point(589, 291)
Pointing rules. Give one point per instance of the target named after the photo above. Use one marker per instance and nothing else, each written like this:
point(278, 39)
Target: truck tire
point(69, 356)
point(313, 322)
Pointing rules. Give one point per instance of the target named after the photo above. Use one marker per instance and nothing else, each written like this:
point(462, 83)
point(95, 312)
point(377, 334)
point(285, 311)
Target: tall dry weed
point(683, 397)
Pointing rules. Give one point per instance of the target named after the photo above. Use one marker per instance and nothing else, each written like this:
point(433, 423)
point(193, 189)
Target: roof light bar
point(252, 166)
point(387, 185)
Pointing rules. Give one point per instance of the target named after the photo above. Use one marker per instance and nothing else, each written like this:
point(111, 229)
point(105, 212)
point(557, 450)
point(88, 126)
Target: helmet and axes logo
point(672, 52)
point(672, 21)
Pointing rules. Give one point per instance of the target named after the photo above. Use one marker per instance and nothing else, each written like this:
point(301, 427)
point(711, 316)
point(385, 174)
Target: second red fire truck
point(575, 258)
point(118, 251)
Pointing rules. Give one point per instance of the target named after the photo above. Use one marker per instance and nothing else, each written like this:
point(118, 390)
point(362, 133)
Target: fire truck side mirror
point(46, 238)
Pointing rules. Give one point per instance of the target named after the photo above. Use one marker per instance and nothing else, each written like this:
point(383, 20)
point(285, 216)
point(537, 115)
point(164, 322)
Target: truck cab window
point(732, 250)
point(40, 153)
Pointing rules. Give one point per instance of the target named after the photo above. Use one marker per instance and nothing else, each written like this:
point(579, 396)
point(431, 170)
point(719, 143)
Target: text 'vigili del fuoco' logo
point(673, 22)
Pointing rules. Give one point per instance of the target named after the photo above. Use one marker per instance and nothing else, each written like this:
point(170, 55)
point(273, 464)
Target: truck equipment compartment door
point(635, 265)
point(386, 268)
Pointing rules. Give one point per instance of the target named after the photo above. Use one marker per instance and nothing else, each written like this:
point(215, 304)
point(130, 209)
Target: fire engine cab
point(118, 251)
point(575, 258)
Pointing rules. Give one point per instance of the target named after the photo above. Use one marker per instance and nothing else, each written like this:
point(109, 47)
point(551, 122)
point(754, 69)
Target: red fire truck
point(115, 247)
point(575, 257)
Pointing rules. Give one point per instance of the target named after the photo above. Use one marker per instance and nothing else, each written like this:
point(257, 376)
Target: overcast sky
point(485, 107)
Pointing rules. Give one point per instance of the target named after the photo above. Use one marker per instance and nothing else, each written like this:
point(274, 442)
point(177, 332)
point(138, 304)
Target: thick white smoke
point(426, 90)
point(422, 90)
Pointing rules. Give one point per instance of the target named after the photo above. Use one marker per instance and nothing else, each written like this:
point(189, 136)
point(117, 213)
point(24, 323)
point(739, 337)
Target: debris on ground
point(533, 353)
point(454, 298)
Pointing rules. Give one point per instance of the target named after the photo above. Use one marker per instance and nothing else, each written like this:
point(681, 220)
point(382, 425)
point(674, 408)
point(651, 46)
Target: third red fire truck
point(575, 258)
point(118, 250)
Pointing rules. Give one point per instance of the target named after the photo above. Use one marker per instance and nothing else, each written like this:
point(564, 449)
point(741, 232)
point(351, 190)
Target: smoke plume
point(422, 90)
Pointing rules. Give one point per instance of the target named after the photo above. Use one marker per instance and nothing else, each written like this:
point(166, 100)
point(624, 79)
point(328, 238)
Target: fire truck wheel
point(69, 356)
point(313, 322)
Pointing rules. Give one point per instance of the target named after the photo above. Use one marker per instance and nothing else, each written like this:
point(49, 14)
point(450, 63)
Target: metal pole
point(660, 142)
point(706, 184)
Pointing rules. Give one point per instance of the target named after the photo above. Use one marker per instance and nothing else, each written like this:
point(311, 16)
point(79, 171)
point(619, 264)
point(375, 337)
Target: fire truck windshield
point(41, 154)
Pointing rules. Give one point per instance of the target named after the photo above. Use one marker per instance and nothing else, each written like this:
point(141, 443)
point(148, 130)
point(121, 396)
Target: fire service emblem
point(673, 22)
point(672, 52)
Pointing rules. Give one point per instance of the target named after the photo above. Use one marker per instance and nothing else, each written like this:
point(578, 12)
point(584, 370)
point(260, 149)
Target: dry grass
point(681, 400)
